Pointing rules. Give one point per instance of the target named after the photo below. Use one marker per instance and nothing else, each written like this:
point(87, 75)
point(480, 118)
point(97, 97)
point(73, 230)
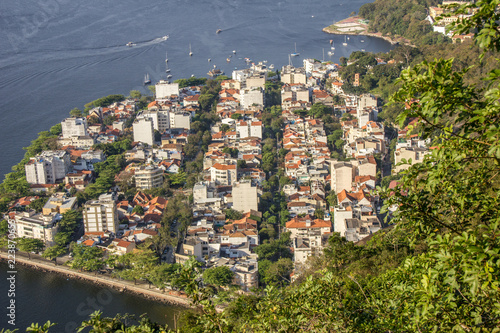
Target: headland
point(356, 25)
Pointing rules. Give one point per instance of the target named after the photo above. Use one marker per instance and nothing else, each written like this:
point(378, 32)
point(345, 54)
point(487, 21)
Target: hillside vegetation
point(402, 18)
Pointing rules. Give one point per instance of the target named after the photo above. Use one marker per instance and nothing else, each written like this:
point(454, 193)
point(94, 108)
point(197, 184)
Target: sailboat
point(190, 53)
point(146, 79)
point(333, 46)
point(166, 56)
point(295, 53)
point(345, 41)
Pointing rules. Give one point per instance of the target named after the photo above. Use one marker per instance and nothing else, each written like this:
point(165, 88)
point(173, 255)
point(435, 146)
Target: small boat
point(165, 37)
point(190, 52)
point(330, 53)
point(215, 72)
point(209, 59)
point(167, 70)
point(130, 44)
point(345, 41)
point(218, 31)
point(331, 41)
point(362, 41)
point(333, 47)
point(234, 51)
point(228, 60)
point(271, 66)
point(169, 76)
point(247, 60)
point(295, 53)
point(146, 79)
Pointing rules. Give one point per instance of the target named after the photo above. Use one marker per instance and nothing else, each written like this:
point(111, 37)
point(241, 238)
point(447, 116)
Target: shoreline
point(169, 296)
point(355, 26)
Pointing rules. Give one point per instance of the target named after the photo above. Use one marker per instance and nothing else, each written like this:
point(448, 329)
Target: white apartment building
point(290, 74)
point(161, 119)
point(296, 92)
point(165, 89)
point(256, 80)
point(100, 215)
point(31, 225)
point(245, 196)
point(143, 128)
point(224, 174)
point(342, 176)
point(148, 177)
point(247, 129)
point(241, 74)
point(180, 119)
point(74, 127)
point(251, 96)
point(311, 65)
point(48, 167)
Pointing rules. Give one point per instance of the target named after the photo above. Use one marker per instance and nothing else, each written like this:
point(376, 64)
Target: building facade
point(100, 215)
point(144, 130)
point(47, 167)
point(148, 177)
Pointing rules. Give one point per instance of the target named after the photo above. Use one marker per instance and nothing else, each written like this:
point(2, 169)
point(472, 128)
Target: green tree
point(29, 245)
point(87, 258)
point(218, 276)
point(138, 209)
point(136, 94)
point(232, 214)
point(56, 129)
point(76, 112)
point(53, 252)
point(4, 227)
point(276, 273)
point(38, 204)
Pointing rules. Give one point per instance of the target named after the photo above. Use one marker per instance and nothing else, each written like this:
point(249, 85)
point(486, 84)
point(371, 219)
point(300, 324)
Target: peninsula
point(356, 25)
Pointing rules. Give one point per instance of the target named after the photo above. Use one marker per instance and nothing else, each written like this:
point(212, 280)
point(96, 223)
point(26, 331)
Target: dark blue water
point(59, 54)
point(41, 296)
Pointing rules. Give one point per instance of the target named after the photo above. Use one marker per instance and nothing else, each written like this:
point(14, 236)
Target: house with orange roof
point(192, 100)
point(309, 236)
point(307, 225)
point(120, 247)
point(89, 243)
point(224, 174)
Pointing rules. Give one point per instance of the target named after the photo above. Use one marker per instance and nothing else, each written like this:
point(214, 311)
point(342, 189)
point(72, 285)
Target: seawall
point(168, 296)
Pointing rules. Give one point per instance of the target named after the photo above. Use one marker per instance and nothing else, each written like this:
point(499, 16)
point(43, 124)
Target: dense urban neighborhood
point(265, 165)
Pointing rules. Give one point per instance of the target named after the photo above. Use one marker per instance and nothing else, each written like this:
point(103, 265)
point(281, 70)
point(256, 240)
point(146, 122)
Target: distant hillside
point(402, 18)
